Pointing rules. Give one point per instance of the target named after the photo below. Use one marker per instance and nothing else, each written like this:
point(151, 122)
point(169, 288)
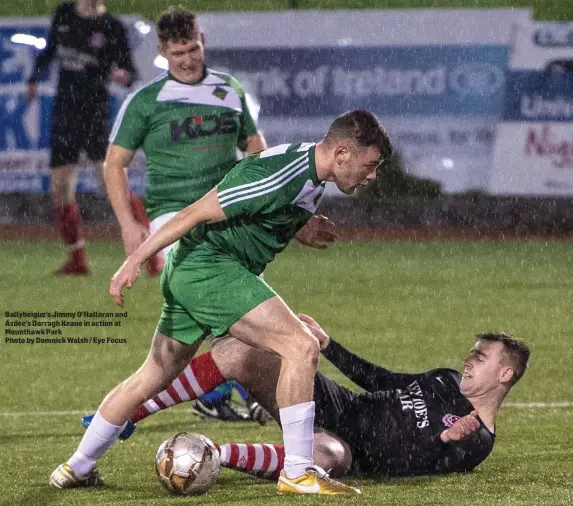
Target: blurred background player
point(440, 421)
point(91, 47)
point(189, 121)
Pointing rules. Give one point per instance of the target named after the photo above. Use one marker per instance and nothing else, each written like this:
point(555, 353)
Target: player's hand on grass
point(133, 236)
point(317, 232)
point(123, 278)
point(316, 329)
point(462, 428)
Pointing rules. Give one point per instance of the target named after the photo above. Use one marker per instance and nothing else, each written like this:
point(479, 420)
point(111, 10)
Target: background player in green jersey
point(210, 284)
point(189, 122)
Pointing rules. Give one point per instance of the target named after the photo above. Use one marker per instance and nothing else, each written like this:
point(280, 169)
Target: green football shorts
point(206, 295)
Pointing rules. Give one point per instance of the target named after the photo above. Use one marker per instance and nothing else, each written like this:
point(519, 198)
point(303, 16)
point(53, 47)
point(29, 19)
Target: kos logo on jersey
point(195, 127)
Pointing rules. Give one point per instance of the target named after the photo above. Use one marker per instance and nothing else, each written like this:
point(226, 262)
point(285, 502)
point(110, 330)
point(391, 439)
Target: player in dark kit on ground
point(401, 425)
point(91, 47)
point(437, 422)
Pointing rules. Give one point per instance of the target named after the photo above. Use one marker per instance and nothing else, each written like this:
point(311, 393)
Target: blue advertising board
point(391, 81)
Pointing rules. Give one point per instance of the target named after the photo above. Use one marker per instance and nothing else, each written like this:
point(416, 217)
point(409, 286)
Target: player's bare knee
point(305, 347)
point(168, 355)
point(331, 453)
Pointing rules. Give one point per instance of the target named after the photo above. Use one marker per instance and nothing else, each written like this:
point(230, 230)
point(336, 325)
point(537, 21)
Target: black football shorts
point(78, 126)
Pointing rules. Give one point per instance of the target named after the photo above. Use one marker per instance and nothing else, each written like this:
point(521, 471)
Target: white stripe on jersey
point(123, 108)
point(199, 94)
point(260, 185)
point(263, 181)
point(268, 190)
point(213, 78)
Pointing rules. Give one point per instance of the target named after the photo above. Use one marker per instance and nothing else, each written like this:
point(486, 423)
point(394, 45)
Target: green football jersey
point(267, 198)
point(189, 133)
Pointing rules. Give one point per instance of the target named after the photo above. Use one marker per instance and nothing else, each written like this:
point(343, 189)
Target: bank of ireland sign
point(392, 81)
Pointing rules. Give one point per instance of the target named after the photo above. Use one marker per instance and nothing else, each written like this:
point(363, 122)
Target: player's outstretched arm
point(205, 210)
point(365, 374)
point(115, 166)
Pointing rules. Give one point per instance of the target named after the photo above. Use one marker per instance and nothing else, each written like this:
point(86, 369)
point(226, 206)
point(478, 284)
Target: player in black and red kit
point(437, 422)
point(91, 48)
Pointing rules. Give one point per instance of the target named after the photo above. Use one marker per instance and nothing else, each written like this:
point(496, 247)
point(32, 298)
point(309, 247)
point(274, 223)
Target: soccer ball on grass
point(187, 464)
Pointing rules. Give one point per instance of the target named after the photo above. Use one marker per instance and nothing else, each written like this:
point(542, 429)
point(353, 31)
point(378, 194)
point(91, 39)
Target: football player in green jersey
point(211, 285)
point(189, 122)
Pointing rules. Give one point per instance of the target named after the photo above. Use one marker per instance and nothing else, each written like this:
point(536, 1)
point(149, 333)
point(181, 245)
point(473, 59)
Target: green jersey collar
point(312, 166)
point(207, 78)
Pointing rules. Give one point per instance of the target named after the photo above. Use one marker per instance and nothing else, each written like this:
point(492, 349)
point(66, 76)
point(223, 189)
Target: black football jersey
point(394, 427)
point(86, 49)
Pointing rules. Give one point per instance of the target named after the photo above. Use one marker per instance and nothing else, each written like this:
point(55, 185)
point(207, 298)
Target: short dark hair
point(515, 349)
point(363, 128)
point(177, 24)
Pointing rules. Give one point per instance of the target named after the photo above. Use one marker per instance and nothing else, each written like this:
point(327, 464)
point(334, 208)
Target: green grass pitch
point(409, 306)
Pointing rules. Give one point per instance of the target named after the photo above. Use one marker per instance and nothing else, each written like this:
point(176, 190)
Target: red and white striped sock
point(262, 460)
point(200, 377)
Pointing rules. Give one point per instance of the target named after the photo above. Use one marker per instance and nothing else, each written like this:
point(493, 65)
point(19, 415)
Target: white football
point(187, 464)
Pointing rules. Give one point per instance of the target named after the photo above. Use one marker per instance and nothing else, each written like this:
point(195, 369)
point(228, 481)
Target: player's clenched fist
point(124, 277)
point(463, 428)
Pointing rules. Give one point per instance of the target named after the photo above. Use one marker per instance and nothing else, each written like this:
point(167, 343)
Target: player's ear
point(203, 39)
point(506, 375)
point(341, 153)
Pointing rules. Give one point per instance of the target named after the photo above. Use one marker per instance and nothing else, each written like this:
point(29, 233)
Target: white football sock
point(99, 436)
point(298, 435)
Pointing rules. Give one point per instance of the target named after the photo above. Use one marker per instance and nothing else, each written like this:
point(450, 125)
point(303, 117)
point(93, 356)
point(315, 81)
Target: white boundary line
point(519, 405)
point(537, 405)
